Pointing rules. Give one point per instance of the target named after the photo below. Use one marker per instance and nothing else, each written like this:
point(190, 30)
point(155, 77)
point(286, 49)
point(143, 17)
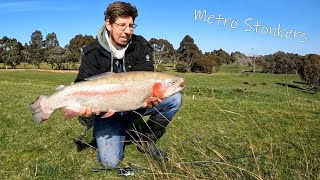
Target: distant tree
point(208, 63)
point(309, 71)
point(50, 42)
point(162, 51)
point(26, 54)
point(36, 48)
point(16, 56)
point(188, 51)
point(226, 58)
point(281, 63)
point(71, 59)
point(78, 42)
point(4, 41)
point(11, 52)
point(239, 58)
point(55, 57)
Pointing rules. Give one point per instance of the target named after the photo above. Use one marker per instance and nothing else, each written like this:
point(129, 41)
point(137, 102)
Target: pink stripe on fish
point(99, 93)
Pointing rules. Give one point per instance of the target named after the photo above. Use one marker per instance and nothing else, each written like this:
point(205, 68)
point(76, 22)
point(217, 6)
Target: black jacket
point(97, 60)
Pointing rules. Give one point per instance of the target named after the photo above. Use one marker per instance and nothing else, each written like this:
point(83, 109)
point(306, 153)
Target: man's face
point(120, 31)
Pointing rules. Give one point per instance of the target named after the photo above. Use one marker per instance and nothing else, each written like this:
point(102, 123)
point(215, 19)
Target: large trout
point(111, 92)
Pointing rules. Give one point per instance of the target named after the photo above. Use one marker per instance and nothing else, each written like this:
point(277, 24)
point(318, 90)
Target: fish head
point(167, 85)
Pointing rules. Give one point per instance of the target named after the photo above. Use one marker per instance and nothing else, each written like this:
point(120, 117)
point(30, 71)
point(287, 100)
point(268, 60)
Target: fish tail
point(37, 111)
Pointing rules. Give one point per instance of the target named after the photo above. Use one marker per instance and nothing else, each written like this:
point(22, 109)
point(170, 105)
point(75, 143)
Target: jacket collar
point(102, 39)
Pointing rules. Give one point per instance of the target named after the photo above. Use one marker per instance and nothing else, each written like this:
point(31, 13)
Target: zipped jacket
point(98, 58)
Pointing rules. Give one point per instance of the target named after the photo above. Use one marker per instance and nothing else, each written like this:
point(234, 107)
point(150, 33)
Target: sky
point(252, 27)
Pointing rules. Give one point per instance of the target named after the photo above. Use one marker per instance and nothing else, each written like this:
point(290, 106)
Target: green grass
point(231, 125)
point(42, 66)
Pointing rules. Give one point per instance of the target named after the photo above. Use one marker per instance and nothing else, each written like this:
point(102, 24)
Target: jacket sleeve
point(144, 56)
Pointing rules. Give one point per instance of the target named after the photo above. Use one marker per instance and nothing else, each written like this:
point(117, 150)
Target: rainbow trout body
point(109, 92)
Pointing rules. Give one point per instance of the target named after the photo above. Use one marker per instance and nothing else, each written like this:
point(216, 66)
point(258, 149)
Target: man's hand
point(153, 101)
point(87, 111)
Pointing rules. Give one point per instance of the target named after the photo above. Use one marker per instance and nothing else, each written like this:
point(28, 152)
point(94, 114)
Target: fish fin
point(37, 111)
point(59, 88)
point(108, 114)
point(98, 76)
point(157, 90)
point(69, 113)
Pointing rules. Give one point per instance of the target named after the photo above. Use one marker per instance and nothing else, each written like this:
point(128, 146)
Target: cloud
point(30, 6)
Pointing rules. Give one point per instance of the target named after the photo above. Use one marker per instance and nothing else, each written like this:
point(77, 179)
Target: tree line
point(307, 67)
point(187, 58)
point(40, 50)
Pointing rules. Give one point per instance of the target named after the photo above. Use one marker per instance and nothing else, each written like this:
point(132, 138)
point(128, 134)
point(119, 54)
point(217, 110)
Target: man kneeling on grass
point(116, 49)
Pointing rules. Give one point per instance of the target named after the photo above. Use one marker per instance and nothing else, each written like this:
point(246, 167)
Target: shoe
point(153, 131)
point(148, 146)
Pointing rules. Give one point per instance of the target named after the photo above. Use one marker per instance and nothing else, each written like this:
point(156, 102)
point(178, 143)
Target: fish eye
point(174, 82)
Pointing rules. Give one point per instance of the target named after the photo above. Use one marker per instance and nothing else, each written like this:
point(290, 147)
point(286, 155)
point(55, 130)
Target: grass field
point(232, 125)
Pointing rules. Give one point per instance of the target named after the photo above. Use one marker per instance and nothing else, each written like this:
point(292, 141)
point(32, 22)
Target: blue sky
point(244, 25)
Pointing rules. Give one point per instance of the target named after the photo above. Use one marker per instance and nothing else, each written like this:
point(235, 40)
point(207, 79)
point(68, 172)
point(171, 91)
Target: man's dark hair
point(120, 9)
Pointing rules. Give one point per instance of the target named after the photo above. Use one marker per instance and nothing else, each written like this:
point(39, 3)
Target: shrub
point(182, 66)
point(161, 68)
point(208, 63)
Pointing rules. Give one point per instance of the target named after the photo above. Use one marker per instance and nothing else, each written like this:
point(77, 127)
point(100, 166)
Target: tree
point(4, 41)
point(26, 55)
point(162, 51)
point(226, 58)
point(208, 63)
point(55, 56)
point(36, 48)
point(281, 63)
point(16, 56)
point(50, 43)
point(188, 51)
point(70, 57)
point(51, 40)
point(78, 42)
point(309, 71)
point(11, 52)
point(239, 58)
